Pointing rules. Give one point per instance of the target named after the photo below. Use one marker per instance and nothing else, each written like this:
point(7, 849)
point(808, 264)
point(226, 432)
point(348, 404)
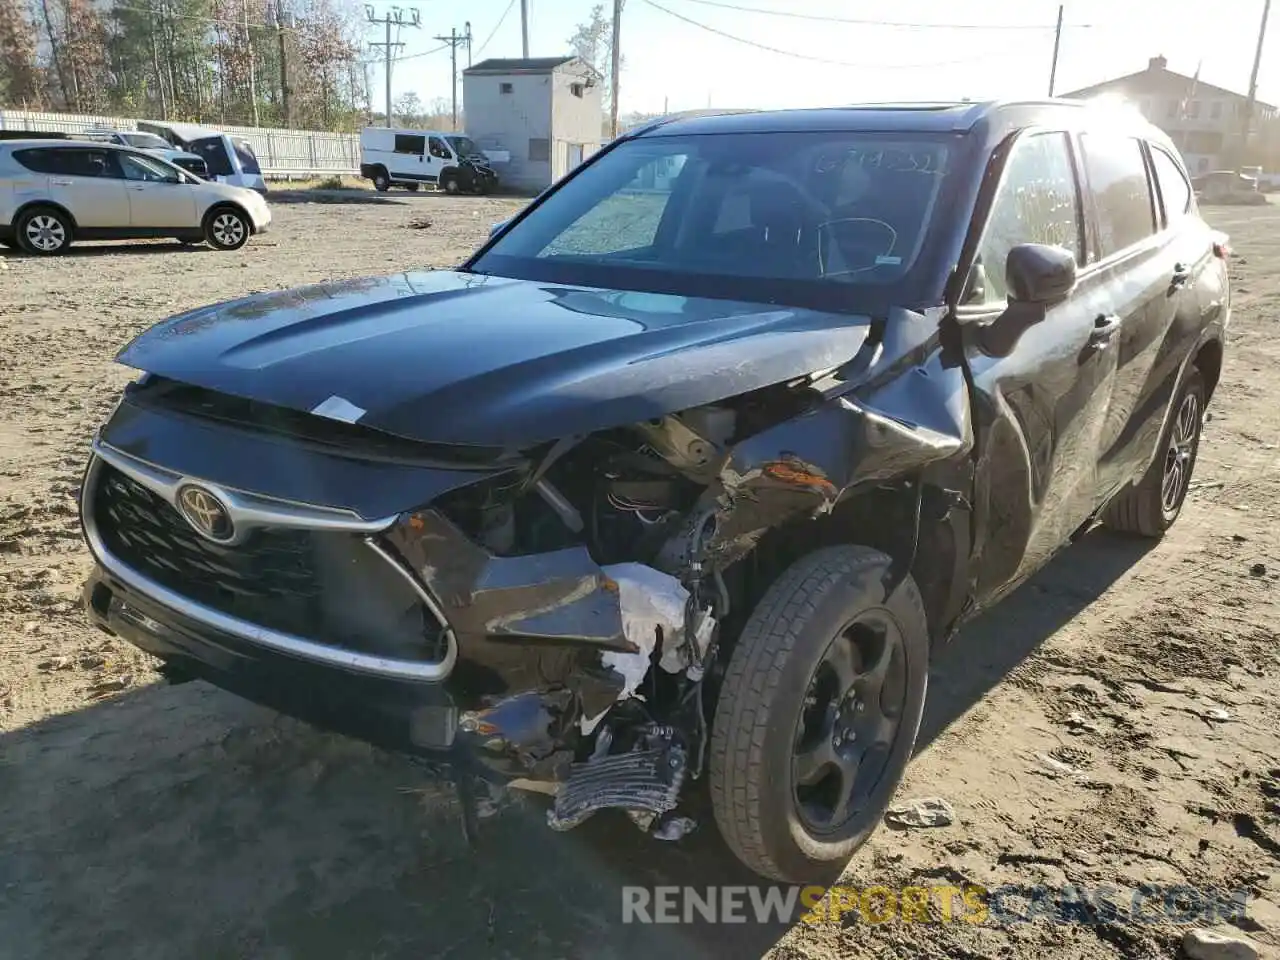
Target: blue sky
point(675, 63)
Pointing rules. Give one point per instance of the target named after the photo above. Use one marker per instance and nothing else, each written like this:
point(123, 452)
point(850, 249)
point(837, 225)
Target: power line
point(492, 33)
point(809, 57)
point(738, 8)
point(425, 53)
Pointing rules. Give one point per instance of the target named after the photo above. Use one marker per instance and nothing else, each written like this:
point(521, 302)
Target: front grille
point(320, 585)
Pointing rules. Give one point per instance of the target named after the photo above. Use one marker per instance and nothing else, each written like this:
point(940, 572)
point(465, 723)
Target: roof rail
point(666, 118)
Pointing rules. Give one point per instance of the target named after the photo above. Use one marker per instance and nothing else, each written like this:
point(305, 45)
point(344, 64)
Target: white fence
point(281, 153)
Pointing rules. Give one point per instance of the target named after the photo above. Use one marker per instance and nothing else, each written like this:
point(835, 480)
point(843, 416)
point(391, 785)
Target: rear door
point(1038, 412)
point(1136, 257)
point(87, 182)
point(158, 197)
point(1183, 296)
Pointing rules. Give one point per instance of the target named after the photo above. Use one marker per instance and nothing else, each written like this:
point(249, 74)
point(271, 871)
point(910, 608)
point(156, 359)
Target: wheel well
point(1209, 362)
point(37, 204)
point(882, 518)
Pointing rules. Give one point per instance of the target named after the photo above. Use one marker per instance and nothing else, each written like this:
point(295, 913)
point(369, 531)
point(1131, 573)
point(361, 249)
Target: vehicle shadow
point(181, 821)
point(103, 248)
point(316, 195)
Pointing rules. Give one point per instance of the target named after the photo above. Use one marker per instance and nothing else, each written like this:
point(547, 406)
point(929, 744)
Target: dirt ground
point(1112, 723)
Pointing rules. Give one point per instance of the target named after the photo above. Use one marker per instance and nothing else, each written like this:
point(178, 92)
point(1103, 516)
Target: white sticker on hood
point(337, 408)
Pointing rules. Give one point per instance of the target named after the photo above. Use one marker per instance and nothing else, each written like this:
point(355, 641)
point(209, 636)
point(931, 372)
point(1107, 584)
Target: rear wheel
point(226, 228)
point(1150, 506)
point(43, 231)
point(818, 713)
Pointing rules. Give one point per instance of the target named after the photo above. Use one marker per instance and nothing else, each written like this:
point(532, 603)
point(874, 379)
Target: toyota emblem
point(206, 513)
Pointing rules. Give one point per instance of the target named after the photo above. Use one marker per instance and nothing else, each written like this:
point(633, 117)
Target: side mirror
point(1040, 274)
point(498, 226)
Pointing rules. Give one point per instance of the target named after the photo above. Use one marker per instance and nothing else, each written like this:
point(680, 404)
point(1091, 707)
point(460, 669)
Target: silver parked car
point(53, 192)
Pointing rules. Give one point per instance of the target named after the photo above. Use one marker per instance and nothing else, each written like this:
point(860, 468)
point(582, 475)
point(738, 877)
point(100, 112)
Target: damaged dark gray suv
point(684, 473)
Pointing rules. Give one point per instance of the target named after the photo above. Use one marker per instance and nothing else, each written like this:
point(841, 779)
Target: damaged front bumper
point(532, 652)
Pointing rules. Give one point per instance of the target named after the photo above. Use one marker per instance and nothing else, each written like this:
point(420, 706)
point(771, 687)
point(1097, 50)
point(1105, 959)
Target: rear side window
point(407, 143)
point(1121, 194)
point(37, 161)
point(1175, 192)
point(69, 162)
point(248, 159)
point(1038, 202)
point(214, 154)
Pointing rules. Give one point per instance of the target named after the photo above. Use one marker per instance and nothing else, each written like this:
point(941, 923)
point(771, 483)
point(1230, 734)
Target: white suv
point(55, 191)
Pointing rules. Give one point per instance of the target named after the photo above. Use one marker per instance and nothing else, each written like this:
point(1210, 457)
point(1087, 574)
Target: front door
point(158, 198)
point(1039, 410)
point(439, 156)
point(86, 181)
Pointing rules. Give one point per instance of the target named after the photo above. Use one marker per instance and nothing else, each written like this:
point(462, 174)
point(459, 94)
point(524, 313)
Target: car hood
point(449, 357)
point(171, 155)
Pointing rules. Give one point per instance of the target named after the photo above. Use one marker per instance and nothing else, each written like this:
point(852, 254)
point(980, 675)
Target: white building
point(545, 112)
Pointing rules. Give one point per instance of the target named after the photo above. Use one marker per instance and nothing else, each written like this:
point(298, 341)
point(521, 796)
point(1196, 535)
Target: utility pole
point(1057, 43)
point(284, 64)
point(453, 40)
point(615, 65)
point(395, 16)
point(524, 28)
point(1247, 121)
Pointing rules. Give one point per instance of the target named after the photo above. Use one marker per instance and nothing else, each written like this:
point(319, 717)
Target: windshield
point(463, 146)
point(784, 216)
point(146, 141)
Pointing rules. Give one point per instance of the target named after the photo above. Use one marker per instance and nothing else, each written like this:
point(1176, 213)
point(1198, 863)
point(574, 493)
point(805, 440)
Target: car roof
point(38, 142)
point(922, 117)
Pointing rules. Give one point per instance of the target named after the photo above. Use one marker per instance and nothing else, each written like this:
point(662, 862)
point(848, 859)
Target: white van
point(450, 161)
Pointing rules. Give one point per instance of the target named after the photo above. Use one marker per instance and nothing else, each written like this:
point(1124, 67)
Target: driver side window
point(141, 168)
point(1038, 202)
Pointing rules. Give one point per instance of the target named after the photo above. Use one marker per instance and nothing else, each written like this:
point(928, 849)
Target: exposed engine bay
point(644, 501)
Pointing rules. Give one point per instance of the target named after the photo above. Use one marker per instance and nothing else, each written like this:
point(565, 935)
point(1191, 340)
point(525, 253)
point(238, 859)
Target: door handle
point(1181, 274)
point(1104, 328)
point(60, 183)
point(136, 186)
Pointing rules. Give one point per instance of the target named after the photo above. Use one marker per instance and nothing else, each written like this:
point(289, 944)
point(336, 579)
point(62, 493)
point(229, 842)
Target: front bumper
point(401, 715)
point(524, 632)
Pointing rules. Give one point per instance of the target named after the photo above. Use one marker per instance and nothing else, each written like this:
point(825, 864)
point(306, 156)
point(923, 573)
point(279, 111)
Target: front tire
point(818, 713)
point(451, 184)
point(226, 228)
point(44, 231)
point(1149, 507)
point(381, 182)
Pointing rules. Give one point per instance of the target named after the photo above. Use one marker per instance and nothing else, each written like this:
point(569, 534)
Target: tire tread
point(752, 679)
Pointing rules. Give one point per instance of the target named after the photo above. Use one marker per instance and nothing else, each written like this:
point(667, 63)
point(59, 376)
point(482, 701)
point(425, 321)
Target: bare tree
point(592, 41)
point(20, 79)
